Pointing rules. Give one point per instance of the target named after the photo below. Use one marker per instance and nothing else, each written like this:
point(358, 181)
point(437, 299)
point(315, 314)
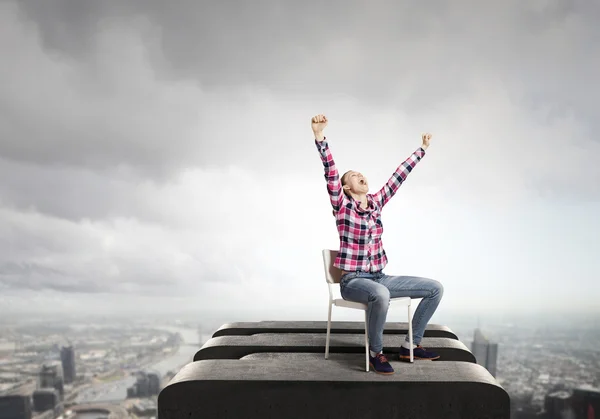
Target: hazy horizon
point(160, 158)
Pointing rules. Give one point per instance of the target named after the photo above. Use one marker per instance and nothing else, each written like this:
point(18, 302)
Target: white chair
point(333, 276)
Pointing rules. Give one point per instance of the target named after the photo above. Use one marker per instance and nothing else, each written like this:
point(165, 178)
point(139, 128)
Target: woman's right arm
point(332, 177)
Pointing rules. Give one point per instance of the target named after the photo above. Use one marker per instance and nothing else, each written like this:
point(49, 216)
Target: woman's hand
point(426, 138)
point(318, 124)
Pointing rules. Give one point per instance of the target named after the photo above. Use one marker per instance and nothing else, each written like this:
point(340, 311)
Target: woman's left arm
point(388, 190)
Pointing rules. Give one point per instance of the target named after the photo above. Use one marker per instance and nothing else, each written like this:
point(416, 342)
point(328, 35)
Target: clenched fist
point(426, 138)
point(318, 124)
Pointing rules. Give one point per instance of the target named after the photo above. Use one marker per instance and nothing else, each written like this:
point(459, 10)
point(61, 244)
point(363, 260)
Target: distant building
point(557, 405)
point(146, 385)
point(586, 402)
point(485, 352)
point(67, 356)
point(142, 385)
point(15, 407)
point(51, 376)
point(45, 399)
point(153, 384)
point(145, 408)
point(582, 403)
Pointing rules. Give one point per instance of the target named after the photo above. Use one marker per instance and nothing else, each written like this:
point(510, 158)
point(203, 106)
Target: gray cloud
point(150, 86)
point(66, 192)
point(34, 276)
point(370, 51)
point(164, 150)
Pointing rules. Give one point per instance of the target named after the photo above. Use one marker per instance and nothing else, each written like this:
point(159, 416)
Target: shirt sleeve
point(332, 177)
point(383, 196)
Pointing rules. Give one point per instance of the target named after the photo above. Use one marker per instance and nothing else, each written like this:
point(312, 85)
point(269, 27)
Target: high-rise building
point(485, 352)
point(142, 385)
point(557, 405)
point(154, 384)
point(45, 399)
point(15, 407)
point(51, 376)
point(586, 402)
point(67, 356)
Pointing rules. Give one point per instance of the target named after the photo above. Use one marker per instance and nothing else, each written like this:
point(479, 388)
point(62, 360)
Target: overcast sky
point(160, 157)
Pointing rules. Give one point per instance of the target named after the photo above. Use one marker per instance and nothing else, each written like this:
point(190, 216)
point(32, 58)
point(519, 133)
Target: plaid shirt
point(361, 248)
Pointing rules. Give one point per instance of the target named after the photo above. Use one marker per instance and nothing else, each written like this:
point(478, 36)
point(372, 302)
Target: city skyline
point(531, 367)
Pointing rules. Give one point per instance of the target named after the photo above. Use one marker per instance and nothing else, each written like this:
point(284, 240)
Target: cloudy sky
point(160, 157)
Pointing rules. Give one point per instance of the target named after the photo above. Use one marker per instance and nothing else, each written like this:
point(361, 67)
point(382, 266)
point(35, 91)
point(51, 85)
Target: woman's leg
point(362, 288)
point(430, 290)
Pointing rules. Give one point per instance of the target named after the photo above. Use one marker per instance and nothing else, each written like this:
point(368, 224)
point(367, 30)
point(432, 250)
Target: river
point(117, 390)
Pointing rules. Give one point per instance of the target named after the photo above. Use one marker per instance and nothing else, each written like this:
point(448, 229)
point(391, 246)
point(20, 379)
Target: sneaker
point(418, 353)
point(380, 364)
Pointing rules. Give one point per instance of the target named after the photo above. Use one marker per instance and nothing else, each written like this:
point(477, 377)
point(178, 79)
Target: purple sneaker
point(380, 364)
point(418, 353)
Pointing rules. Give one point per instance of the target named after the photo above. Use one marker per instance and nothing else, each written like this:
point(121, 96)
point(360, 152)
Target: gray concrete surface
point(252, 328)
point(236, 347)
point(274, 386)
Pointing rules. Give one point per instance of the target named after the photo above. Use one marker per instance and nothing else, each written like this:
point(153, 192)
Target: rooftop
point(278, 369)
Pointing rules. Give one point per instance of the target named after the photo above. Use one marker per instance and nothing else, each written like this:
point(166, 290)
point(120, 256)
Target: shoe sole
point(416, 358)
point(380, 372)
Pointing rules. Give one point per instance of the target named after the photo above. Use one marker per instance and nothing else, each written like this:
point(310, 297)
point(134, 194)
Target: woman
point(361, 256)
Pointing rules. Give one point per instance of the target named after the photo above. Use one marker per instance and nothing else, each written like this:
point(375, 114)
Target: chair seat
point(401, 300)
point(340, 302)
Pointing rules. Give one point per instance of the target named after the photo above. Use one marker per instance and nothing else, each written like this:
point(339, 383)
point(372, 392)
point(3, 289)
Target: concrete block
point(298, 386)
point(252, 328)
point(236, 347)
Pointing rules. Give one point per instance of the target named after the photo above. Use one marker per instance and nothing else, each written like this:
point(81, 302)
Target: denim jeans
point(376, 289)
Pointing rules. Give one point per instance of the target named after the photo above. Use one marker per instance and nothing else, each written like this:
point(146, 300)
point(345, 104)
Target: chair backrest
point(332, 274)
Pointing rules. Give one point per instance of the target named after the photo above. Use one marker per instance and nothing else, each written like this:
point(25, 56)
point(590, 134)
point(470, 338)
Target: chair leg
point(328, 331)
point(366, 342)
point(410, 333)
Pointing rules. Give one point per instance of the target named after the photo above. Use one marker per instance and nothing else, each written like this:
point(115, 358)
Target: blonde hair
point(343, 181)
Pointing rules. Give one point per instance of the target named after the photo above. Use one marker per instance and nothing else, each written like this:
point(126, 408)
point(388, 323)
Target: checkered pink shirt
point(361, 248)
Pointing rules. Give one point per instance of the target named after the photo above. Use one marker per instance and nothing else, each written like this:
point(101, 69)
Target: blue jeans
point(376, 289)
